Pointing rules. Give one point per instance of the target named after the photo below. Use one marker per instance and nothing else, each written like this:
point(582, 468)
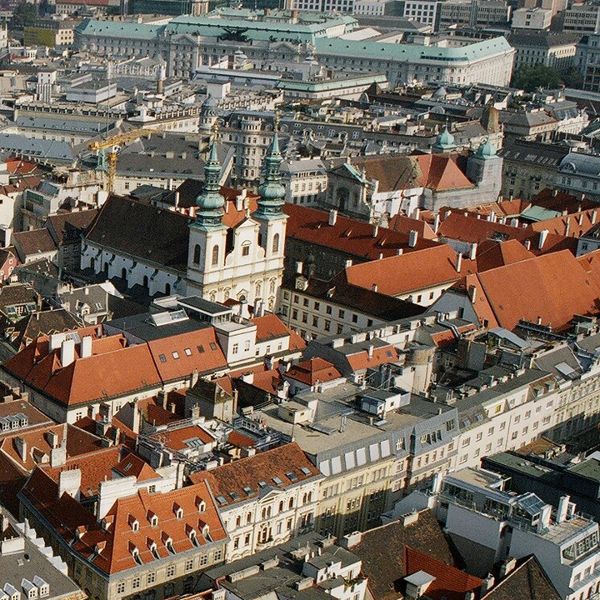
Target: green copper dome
point(486, 150)
point(271, 190)
point(444, 141)
point(210, 202)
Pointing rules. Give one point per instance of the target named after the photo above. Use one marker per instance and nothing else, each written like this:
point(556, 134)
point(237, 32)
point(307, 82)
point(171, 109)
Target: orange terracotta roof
point(66, 516)
point(240, 440)
point(573, 225)
point(134, 466)
point(270, 327)
point(381, 355)
point(492, 254)
point(350, 236)
point(405, 225)
point(175, 439)
point(553, 287)
point(180, 355)
point(411, 272)
point(244, 478)
point(312, 371)
point(38, 444)
point(450, 583)
point(441, 173)
point(268, 381)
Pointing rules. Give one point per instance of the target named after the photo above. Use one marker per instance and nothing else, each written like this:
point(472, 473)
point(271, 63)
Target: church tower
point(272, 221)
point(208, 234)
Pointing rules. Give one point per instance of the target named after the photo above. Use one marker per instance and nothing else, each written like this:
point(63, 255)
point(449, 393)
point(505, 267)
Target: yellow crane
point(107, 151)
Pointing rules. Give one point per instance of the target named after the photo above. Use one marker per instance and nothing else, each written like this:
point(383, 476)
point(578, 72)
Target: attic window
point(162, 358)
point(179, 512)
point(169, 545)
point(201, 506)
point(153, 520)
point(277, 481)
point(213, 346)
point(305, 470)
point(176, 355)
point(136, 555)
point(291, 476)
point(200, 348)
point(154, 550)
point(221, 500)
point(188, 351)
point(248, 490)
point(262, 484)
point(135, 525)
point(206, 532)
point(194, 538)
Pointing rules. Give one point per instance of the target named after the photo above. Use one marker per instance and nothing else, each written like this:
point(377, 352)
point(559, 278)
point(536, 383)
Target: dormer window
point(201, 506)
point(169, 545)
point(206, 532)
point(153, 519)
point(154, 550)
point(178, 511)
point(134, 523)
point(194, 537)
point(135, 553)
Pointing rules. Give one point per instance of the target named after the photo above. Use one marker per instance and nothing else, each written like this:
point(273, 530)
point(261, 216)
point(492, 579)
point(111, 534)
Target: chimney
point(67, 352)
point(69, 482)
point(594, 217)
point(348, 263)
point(52, 439)
point(568, 227)
point(21, 446)
point(514, 222)
point(562, 510)
point(413, 236)
point(86, 346)
point(436, 223)
point(370, 351)
point(487, 584)
point(527, 244)
point(472, 293)
point(375, 230)
point(458, 264)
point(374, 287)
point(54, 341)
point(508, 566)
point(542, 240)
point(299, 267)
point(333, 217)
point(473, 251)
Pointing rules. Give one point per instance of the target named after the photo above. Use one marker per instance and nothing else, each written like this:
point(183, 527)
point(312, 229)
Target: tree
point(24, 14)
point(531, 78)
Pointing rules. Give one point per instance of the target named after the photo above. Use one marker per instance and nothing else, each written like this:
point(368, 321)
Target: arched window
point(197, 251)
point(167, 289)
point(215, 255)
point(276, 243)
point(258, 290)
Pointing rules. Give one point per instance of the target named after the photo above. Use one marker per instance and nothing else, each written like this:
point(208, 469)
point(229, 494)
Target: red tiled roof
point(450, 583)
point(134, 466)
point(270, 327)
point(38, 448)
point(573, 225)
point(492, 254)
point(411, 272)
point(175, 439)
point(287, 464)
point(381, 355)
point(312, 371)
point(441, 173)
point(180, 355)
point(65, 515)
point(553, 287)
point(404, 224)
point(347, 235)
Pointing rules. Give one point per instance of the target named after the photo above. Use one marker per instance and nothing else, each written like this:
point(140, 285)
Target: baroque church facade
point(231, 249)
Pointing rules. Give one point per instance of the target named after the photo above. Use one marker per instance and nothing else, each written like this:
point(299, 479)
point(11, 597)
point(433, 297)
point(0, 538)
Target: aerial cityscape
point(300, 299)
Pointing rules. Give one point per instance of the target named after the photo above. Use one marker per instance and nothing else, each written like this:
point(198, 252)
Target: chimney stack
point(333, 217)
point(86, 346)
point(458, 264)
point(413, 236)
point(542, 240)
point(375, 230)
point(472, 293)
point(473, 251)
point(67, 352)
point(436, 223)
point(527, 244)
point(563, 509)
point(21, 446)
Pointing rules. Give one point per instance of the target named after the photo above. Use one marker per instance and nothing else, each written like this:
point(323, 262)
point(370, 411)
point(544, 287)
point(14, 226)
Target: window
point(197, 252)
point(171, 571)
point(176, 355)
point(189, 564)
point(135, 583)
point(120, 587)
point(188, 351)
point(341, 313)
point(162, 358)
point(235, 348)
point(215, 255)
point(246, 249)
point(275, 247)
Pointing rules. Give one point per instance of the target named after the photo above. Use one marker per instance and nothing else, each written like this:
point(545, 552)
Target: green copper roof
point(486, 150)
point(411, 52)
point(444, 141)
point(210, 202)
point(271, 191)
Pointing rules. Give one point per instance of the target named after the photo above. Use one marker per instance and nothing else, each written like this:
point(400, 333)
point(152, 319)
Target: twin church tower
point(238, 256)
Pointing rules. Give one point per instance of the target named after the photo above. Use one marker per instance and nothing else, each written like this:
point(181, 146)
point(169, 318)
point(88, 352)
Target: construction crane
point(107, 151)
